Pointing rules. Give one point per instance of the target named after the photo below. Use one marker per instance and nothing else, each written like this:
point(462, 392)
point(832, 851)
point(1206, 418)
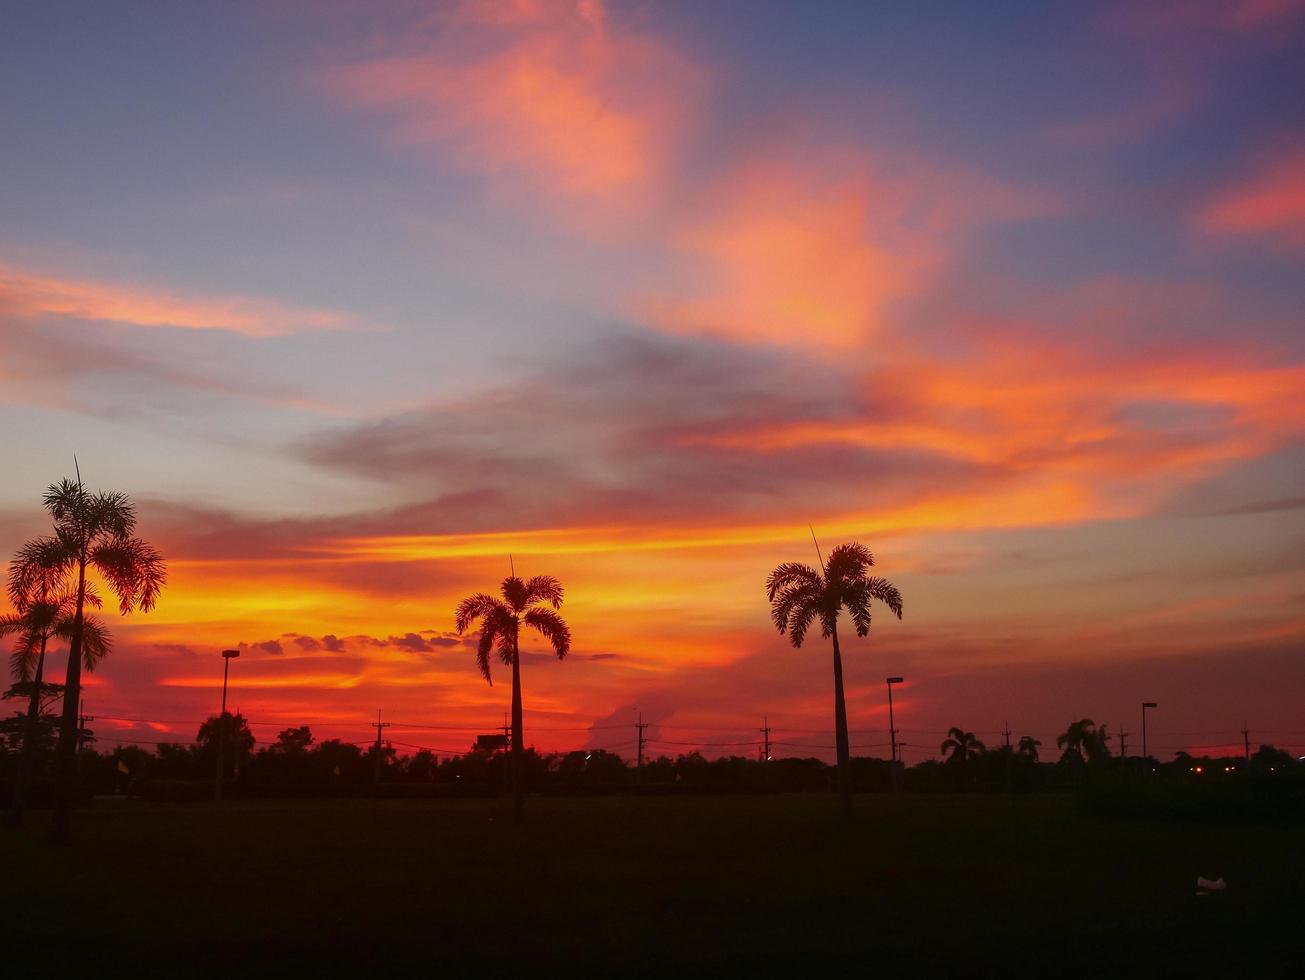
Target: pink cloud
point(28, 294)
point(1269, 202)
point(545, 98)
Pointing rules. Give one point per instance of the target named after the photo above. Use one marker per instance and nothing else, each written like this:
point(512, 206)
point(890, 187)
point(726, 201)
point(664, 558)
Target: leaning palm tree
point(1028, 747)
point(961, 746)
point(37, 582)
point(96, 531)
point(799, 595)
point(500, 630)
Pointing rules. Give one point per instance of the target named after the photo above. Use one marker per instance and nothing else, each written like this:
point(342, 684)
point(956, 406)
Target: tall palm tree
point(37, 589)
point(96, 531)
point(1077, 737)
point(961, 746)
point(799, 595)
point(500, 630)
point(1028, 747)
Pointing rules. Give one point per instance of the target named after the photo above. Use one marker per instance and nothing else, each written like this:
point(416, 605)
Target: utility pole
point(1006, 735)
point(82, 719)
point(639, 726)
point(1123, 745)
point(1145, 755)
point(509, 760)
point(379, 726)
point(227, 657)
point(892, 733)
point(765, 750)
point(1246, 739)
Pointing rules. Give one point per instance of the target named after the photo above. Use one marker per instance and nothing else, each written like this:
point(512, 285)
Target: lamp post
point(227, 657)
point(892, 731)
point(1145, 756)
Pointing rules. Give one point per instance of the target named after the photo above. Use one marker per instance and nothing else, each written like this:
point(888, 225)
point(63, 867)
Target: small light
point(1197, 769)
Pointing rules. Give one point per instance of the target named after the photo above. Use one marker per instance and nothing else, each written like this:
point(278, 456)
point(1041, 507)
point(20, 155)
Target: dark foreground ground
point(753, 886)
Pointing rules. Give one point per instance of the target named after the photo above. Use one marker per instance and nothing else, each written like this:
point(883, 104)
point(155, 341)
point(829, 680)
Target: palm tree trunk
point(67, 753)
point(840, 733)
point(28, 756)
point(518, 775)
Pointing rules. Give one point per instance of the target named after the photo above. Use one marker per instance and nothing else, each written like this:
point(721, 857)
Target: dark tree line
point(298, 764)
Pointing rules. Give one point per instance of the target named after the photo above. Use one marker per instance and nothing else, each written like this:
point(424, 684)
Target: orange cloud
point(790, 259)
point(1271, 202)
point(552, 97)
point(1113, 435)
point(787, 251)
point(24, 293)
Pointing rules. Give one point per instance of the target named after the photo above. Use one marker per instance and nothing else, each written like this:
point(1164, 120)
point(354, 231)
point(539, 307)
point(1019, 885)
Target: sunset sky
point(357, 299)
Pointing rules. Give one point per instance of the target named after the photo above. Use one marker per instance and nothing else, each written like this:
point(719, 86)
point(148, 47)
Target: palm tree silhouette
point(38, 579)
point(1077, 737)
point(1095, 747)
point(961, 746)
point(799, 595)
point(500, 630)
point(1028, 747)
point(96, 532)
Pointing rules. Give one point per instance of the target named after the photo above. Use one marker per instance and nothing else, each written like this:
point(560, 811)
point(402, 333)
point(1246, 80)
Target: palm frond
point(96, 639)
point(544, 588)
point(483, 648)
point(514, 593)
point(12, 623)
point(553, 627)
point(111, 513)
point(885, 592)
point(40, 567)
point(505, 647)
point(65, 500)
point(22, 660)
point(856, 597)
point(791, 573)
point(495, 633)
point(799, 621)
point(790, 597)
point(135, 570)
point(848, 562)
point(472, 608)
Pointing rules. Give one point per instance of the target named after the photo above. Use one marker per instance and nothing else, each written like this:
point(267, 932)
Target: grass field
point(762, 886)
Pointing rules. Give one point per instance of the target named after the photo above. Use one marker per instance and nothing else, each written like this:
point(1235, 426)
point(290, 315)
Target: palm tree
point(38, 578)
point(500, 630)
point(1028, 747)
point(1077, 737)
point(1095, 747)
point(961, 746)
point(799, 595)
point(37, 589)
point(96, 532)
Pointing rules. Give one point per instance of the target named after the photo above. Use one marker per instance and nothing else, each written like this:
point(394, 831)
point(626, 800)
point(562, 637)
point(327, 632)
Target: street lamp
point(227, 657)
point(892, 730)
point(1145, 756)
